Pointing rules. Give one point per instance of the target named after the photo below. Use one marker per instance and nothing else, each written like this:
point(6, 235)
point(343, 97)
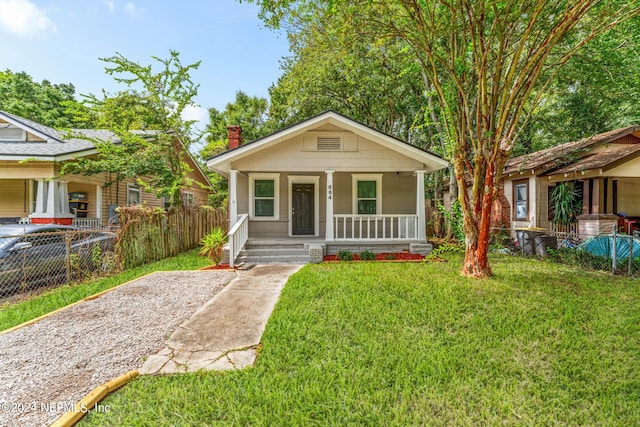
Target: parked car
point(33, 255)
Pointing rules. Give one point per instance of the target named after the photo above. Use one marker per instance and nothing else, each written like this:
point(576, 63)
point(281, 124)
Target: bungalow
point(604, 168)
point(325, 184)
point(31, 190)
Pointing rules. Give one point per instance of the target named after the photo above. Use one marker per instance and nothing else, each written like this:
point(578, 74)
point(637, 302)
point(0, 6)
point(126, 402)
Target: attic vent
point(11, 133)
point(326, 143)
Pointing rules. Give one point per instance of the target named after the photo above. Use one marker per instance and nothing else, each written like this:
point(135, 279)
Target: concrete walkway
point(224, 333)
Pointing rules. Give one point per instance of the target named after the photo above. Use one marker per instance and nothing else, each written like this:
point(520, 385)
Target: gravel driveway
point(50, 365)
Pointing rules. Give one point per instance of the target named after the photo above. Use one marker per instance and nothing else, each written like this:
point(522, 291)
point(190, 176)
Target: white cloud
point(131, 9)
point(23, 18)
point(111, 5)
point(194, 112)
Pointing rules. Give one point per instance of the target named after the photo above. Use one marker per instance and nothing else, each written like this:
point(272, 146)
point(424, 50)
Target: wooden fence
point(148, 235)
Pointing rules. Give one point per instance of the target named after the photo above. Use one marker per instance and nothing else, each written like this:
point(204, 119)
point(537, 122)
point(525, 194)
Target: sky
point(62, 41)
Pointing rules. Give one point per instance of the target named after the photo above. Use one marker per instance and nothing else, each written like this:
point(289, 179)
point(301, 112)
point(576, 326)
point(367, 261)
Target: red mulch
point(217, 267)
point(396, 256)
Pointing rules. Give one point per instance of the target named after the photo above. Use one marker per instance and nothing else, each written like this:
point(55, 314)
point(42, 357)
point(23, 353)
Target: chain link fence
point(34, 257)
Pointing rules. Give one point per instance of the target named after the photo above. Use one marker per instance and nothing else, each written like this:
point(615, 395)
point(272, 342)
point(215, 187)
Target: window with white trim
point(264, 196)
point(521, 200)
point(367, 194)
point(134, 196)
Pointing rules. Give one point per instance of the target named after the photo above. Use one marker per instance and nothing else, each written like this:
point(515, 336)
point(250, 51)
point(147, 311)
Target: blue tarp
point(603, 246)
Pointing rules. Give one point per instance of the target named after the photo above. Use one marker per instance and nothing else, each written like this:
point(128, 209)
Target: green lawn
point(15, 314)
point(414, 344)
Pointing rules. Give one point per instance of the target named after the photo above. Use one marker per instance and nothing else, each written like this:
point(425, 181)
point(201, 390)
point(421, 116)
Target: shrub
point(453, 217)
point(212, 244)
point(367, 256)
point(344, 255)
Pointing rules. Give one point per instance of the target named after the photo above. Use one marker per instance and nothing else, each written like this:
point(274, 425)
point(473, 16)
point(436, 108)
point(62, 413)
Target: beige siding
point(28, 170)
point(292, 156)
point(398, 197)
point(629, 196)
point(13, 198)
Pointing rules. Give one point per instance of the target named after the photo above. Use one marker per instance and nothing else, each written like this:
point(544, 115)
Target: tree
point(489, 63)
point(156, 157)
point(43, 102)
point(249, 112)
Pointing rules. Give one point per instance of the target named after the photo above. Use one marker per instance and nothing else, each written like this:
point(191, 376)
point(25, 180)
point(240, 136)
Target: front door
point(303, 209)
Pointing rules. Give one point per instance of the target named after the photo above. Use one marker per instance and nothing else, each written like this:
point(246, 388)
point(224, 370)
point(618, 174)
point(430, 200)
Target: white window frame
point(275, 177)
point(377, 177)
point(516, 184)
point(22, 137)
point(131, 188)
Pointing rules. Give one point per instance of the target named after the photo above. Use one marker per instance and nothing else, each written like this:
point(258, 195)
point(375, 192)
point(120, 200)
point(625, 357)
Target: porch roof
point(567, 153)
point(221, 163)
point(599, 161)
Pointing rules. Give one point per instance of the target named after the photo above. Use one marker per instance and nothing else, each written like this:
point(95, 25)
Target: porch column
point(99, 203)
point(329, 214)
point(52, 205)
point(40, 197)
point(233, 198)
point(62, 204)
point(422, 222)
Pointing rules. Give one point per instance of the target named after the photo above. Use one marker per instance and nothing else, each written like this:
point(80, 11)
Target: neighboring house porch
point(604, 169)
point(31, 189)
point(324, 184)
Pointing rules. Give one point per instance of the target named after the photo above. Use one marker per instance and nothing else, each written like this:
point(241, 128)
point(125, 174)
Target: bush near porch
point(539, 343)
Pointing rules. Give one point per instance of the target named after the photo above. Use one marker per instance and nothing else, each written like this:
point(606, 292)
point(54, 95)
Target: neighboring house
point(30, 159)
point(605, 168)
point(329, 181)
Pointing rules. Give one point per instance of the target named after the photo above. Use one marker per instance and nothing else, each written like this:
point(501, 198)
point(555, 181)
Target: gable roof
point(568, 153)
point(59, 146)
point(221, 163)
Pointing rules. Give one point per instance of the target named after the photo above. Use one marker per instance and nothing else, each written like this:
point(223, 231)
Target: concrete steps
point(273, 252)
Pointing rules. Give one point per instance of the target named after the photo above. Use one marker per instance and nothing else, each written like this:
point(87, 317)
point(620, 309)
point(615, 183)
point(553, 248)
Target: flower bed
point(395, 256)
point(217, 267)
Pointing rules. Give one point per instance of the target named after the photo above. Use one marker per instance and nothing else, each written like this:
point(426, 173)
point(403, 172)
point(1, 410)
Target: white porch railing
point(238, 236)
point(375, 227)
point(90, 223)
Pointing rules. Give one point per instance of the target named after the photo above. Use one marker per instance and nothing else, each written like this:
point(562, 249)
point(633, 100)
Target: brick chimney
point(235, 136)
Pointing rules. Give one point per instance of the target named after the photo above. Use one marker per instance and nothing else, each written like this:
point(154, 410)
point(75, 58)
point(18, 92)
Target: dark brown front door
point(302, 215)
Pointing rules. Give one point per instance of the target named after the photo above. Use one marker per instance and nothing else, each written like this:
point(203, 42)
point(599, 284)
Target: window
point(367, 194)
point(188, 199)
point(521, 200)
point(264, 196)
point(133, 195)
point(12, 133)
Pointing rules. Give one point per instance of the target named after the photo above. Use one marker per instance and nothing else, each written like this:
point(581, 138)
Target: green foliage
point(345, 255)
point(249, 112)
point(390, 257)
point(454, 219)
point(444, 249)
point(43, 102)
point(567, 203)
point(212, 244)
point(154, 101)
point(367, 255)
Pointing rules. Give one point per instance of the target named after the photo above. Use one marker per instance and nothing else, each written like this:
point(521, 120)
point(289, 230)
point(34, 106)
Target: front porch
point(353, 233)
point(303, 251)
